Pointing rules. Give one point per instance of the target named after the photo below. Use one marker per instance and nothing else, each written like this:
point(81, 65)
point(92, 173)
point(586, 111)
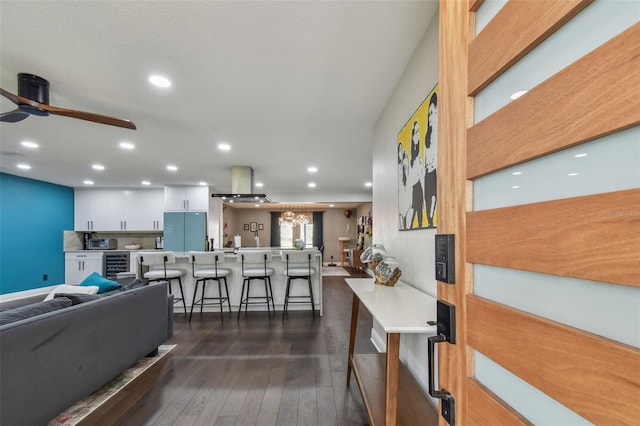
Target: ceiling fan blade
point(13, 116)
point(13, 98)
point(89, 116)
point(20, 100)
point(37, 108)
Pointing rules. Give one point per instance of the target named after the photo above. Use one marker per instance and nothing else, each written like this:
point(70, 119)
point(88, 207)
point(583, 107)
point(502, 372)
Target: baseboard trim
point(377, 341)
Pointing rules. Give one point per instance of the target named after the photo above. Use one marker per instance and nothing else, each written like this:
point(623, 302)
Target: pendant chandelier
point(289, 216)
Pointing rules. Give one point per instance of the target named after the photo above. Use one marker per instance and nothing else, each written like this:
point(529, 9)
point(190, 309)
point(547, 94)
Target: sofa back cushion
point(28, 311)
point(68, 288)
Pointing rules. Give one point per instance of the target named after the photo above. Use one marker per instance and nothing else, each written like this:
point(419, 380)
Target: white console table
point(398, 309)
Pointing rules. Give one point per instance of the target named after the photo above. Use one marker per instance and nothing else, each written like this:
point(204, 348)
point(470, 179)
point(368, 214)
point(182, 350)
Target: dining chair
point(157, 262)
point(254, 267)
point(298, 267)
point(205, 266)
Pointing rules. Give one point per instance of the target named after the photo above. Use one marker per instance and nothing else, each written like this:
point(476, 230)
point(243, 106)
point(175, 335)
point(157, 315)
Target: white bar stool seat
point(254, 267)
point(208, 259)
point(156, 259)
point(298, 267)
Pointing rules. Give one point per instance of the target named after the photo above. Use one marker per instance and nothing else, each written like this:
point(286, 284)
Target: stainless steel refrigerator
point(185, 231)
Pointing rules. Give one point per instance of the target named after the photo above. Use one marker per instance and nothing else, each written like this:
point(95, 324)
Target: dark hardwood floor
point(257, 371)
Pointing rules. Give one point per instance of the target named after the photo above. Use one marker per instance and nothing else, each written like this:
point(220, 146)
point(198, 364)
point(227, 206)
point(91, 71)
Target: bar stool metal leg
point(193, 302)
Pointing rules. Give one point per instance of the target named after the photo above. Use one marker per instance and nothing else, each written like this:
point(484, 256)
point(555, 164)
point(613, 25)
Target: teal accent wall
point(33, 216)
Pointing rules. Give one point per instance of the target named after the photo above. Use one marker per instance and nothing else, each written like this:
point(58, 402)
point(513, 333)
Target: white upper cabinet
point(145, 210)
point(118, 210)
point(186, 198)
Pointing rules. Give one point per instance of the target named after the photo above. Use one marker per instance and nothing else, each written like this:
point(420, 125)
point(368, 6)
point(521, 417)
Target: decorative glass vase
point(374, 253)
point(387, 272)
point(299, 244)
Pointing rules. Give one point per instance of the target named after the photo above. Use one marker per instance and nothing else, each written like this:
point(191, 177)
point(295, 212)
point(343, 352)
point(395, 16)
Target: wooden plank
point(485, 408)
point(391, 380)
point(594, 237)
point(516, 30)
point(572, 107)
point(455, 115)
point(413, 404)
point(474, 5)
point(597, 378)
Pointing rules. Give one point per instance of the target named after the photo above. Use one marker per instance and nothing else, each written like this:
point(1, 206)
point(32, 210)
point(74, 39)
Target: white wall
point(414, 249)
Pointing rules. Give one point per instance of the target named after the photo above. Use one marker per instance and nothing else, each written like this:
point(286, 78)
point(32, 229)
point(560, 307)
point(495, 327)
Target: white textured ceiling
point(288, 84)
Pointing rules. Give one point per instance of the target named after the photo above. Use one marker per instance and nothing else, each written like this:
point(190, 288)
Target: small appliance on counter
point(102, 244)
point(159, 242)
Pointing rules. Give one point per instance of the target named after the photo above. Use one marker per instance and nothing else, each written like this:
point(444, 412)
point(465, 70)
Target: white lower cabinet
point(77, 266)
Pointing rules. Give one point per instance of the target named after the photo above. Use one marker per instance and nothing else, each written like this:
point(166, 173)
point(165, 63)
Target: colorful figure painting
point(417, 168)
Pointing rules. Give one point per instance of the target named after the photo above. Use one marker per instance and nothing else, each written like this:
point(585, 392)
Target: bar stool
point(299, 267)
point(209, 258)
point(163, 258)
point(254, 267)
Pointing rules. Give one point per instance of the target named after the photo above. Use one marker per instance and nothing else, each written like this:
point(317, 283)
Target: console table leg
point(355, 305)
point(391, 391)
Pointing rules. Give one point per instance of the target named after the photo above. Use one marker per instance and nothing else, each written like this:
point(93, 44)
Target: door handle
point(446, 332)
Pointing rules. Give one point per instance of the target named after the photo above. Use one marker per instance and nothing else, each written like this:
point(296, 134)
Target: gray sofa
point(53, 360)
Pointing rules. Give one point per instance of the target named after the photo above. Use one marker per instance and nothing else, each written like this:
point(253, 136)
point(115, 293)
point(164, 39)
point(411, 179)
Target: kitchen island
point(234, 281)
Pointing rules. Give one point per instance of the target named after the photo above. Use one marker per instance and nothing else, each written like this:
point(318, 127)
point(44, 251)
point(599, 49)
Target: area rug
point(334, 271)
point(78, 412)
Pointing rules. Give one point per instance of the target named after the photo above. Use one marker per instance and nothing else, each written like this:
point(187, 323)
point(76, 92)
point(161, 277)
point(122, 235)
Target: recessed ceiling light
point(573, 174)
point(29, 144)
point(583, 154)
point(515, 186)
point(224, 146)
point(516, 173)
point(259, 184)
point(311, 184)
point(160, 81)
point(23, 166)
point(368, 184)
point(127, 145)
point(312, 169)
point(516, 95)
point(145, 182)
point(88, 182)
point(172, 168)
point(97, 167)
point(202, 183)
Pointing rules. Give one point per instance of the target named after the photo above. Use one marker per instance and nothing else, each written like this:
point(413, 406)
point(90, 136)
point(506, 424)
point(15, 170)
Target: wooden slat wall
point(600, 94)
point(595, 237)
point(595, 377)
point(485, 408)
point(515, 31)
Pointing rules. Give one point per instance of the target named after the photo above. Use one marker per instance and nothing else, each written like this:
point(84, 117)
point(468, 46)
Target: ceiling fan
point(33, 99)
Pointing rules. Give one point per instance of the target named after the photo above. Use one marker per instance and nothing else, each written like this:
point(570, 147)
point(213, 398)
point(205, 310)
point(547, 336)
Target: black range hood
point(242, 188)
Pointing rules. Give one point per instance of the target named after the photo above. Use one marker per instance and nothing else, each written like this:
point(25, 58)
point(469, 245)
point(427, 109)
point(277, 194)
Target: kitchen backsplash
point(147, 240)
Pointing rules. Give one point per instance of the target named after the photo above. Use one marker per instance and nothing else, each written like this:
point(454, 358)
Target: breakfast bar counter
point(234, 281)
